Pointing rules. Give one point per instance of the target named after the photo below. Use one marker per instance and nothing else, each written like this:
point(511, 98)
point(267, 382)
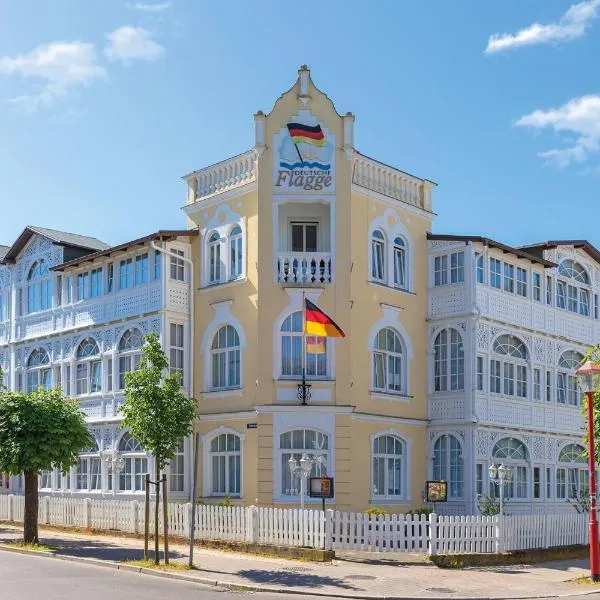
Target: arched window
point(508, 375)
point(388, 358)
point(225, 464)
point(39, 373)
point(572, 475)
point(572, 288)
point(378, 256)
point(129, 353)
point(215, 267)
point(236, 256)
point(400, 263)
point(89, 471)
point(448, 464)
point(567, 391)
point(294, 444)
point(291, 350)
point(513, 453)
point(88, 374)
point(389, 467)
point(226, 356)
point(448, 361)
point(39, 287)
point(131, 479)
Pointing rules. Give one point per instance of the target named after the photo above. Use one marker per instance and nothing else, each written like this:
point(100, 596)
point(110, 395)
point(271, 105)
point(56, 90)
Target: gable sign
point(304, 157)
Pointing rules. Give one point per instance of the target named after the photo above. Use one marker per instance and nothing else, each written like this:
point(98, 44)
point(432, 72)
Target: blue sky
point(105, 104)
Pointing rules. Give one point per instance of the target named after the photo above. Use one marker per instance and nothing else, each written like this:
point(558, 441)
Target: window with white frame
point(291, 350)
point(39, 373)
point(226, 359)
point(177, 470)
point(440, 270)
point(522, 277)
point(573, 288)
point(83, 286)
point(126, 273)
point(157, 264)
point(88, 370)
point(448, 465)
point(225, 464)
point(567, 391)
point(449, 361)
point(389, 467)
point(511, 369)
point(89, 470)
point(45, 480)
point(295, 443)
point(215, 267)
point(572, 475)
point(378, 256)
point(537, 383)
point(176, 349)
point(39, 287)
point(141, 269)
point(110, 278)
point(480, 374)
point(389, 362)
point(449, 269)
point(400, 263)
point(225, 255)
point(236, 255)
point(131, 479)
point(512, 452)
point(509, 278)
point(177, 265)
point(130, 346)
point(479, 268)
point(537, 286)
point(495, 273)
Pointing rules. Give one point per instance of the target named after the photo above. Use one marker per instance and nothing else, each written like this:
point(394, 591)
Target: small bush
point(417, 512)
point(375, 511)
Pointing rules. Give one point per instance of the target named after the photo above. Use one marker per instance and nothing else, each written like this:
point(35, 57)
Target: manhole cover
point(361, 577)
point(297, 569)
point(439, 590)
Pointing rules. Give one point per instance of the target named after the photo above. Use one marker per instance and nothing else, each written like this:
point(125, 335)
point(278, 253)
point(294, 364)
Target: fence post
point(11, 507)
point(432, 541)
point(134, 516)
point(329, 529)
point(500, 524)
point(46, 511)
point(187, 518)
point(87, 511)
point(252, 524)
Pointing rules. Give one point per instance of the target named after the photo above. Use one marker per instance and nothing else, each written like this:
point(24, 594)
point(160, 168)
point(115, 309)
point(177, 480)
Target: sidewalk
point(352, 575)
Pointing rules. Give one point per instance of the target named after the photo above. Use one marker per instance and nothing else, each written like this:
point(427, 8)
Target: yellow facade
point(297, 240)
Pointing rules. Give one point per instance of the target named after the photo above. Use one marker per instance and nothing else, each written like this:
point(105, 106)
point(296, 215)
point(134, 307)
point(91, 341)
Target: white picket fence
point(330, 530)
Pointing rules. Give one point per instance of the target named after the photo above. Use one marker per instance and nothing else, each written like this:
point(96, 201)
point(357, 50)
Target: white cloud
point(142, 6)
point(579, 116)
point(59, 65)
point(132, 43)
point(570, 26)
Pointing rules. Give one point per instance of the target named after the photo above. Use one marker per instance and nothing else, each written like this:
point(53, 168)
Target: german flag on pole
point(306, 134)
point(316, 322)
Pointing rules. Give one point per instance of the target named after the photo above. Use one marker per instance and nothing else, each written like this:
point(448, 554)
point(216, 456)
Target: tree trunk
point(30, 522)
point(156, 528)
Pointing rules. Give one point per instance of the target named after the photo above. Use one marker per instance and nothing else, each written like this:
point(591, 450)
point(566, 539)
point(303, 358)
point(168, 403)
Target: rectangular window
point(537, 287)
point(479, 270)
point(548, 483)
point(141, 269)
point(83, 286)
point(548, 386)
point(561, 388)
point(521, 381)
point(479, 478)
point(561, 294)
point(110, 278)
point(584, 303)
point(509, 379)
point(95, 474)
point(509, 278)
point(537, 484)
point(495, 273)
point(68, 381)
point(457, 267)
point(596, 306)
point(572, 303)
point(81, 379)
point(561, 483)
point(480, 373)
point(157, 263)
point(109, 375)
point(495, 376)
point(58, 293)
point(126, 274)
point(2, 316)
point(96, 283)
point(548, 290)
point(68, 289)
point(176, 342)
point(440, 270)
point(537, 384)
point(82, 474)
point(177, 266)
point(521, 481)
point(521, 282)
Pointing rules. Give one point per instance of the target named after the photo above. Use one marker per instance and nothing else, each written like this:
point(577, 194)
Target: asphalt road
point(25, 577)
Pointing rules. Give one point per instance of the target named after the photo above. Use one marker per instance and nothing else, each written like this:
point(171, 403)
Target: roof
point(162, 234)
point(551, 244)
point(58, 237)
point(521, 253)
point(3, 251)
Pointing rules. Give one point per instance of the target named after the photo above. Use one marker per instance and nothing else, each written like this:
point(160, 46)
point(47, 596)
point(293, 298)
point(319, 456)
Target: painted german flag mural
point(317, 323)
point(306, 134)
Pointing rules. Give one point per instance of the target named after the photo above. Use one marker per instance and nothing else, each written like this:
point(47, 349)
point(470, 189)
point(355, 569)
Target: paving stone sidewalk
point(352, 575)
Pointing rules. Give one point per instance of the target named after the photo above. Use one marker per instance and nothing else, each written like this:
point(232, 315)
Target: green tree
point(592, 354)
point(156, 411)
point(38, 432)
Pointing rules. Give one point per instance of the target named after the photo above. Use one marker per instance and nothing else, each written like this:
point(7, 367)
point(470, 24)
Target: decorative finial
point(304, 68)
point(260, 112)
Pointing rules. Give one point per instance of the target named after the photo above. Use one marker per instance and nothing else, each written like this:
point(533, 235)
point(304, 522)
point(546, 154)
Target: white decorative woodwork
point(447, 301)
point(304, 267)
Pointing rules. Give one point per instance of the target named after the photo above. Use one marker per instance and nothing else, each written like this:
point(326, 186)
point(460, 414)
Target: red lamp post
point(588, 378)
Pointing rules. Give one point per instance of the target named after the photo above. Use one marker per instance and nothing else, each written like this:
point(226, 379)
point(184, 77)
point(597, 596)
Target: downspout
point(191, 334)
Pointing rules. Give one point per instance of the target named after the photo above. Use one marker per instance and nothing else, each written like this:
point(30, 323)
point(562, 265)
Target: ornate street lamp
point(500, 475)
point(588, 378)
point(301, 470)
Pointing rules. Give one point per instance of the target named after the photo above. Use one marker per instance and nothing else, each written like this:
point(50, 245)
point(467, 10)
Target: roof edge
point(586, 246)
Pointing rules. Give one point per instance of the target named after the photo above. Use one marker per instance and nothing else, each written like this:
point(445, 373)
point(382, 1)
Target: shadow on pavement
point(294, 579)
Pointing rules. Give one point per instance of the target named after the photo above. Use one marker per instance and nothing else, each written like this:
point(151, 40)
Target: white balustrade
point(304, 267)
point(225, 175)
point(376, 176)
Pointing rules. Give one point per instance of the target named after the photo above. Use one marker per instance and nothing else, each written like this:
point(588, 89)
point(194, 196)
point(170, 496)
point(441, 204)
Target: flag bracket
point(303, 392)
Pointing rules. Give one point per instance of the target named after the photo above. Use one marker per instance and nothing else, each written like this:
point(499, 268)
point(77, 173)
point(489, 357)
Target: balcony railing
point(304, 267)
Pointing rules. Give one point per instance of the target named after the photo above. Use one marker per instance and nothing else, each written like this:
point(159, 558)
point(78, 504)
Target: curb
point(266, 589)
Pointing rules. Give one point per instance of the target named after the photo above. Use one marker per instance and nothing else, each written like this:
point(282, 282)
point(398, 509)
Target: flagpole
point(303, 348)
point(298, 151)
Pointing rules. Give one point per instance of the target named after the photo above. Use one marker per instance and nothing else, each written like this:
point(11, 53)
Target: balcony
point(304, 267)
